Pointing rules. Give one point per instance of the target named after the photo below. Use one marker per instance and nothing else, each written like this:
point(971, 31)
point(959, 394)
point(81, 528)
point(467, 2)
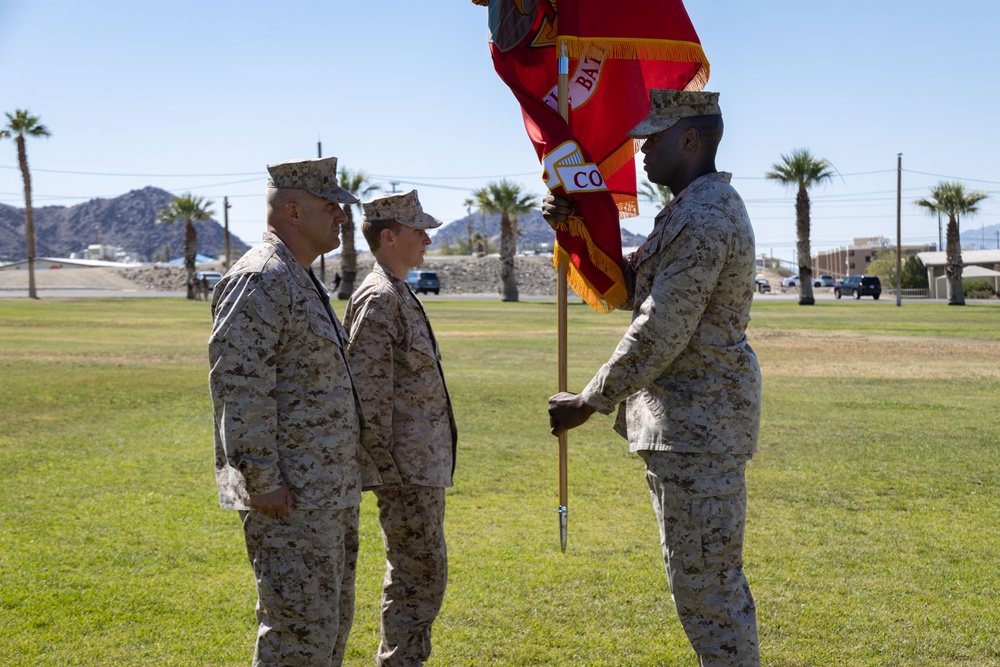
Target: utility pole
point(899, 230)
point(940, 237)
point(393, 184)
point(225, 216)
point(322, 257)
point(468, 224)
point(997, 232)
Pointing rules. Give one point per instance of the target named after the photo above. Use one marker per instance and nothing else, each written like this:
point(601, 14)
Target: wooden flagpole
point(562, 297)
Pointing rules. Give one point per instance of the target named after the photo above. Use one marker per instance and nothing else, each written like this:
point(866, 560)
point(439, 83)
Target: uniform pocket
point(717, 539)
point(405, 526)
point(286, 567)
point(324, 328)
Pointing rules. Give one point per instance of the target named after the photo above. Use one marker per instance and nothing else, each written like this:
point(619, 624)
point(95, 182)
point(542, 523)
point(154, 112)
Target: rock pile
point(536, 275)
point(158, 277)
point(458, 275)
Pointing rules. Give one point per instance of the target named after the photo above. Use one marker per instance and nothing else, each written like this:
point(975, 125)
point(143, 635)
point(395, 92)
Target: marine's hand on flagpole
point(556, 209)
point(566, 411)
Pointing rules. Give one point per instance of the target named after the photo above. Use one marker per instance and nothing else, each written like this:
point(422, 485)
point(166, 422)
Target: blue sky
point(200, 96)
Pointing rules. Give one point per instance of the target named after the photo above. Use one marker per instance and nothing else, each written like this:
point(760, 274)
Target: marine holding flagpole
point(577, 118)
point(683, 378)
point(686, 382)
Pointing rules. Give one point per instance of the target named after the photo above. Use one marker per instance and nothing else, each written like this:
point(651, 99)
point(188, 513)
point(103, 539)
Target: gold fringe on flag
point(628, 206)
point(619, 158)
point(602, 303)
point(581, 287)
point(621, 48)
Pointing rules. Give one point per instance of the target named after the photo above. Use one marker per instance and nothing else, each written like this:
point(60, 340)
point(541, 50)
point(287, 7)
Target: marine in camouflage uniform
point(397, 365)
point(288, 429)
point(684, 378)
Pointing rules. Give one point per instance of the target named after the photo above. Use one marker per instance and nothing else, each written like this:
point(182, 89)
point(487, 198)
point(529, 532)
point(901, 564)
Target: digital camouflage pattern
point(396, 362)
point(684, 369)
point(286, 413)
point(666, 107)
point(318, 176)
point(700, 503)
point(284, 406)
point(416, 572)
point(304, 565)
point(691, 388)
point(403, 208)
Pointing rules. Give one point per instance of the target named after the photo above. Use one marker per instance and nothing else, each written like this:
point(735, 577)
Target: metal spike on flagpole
point(562, 294)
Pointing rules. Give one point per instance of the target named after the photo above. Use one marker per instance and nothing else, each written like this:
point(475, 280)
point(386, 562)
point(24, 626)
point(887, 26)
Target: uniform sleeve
point(242, 351)
point(628, 277)
point(375, 331)
point(687, 272)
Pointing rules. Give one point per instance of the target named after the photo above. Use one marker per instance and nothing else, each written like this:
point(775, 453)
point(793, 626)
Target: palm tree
point(951, 199)
point(478, 244)
point(357, 183)
point(802, 170)
point(19, 125)
point(469, 203)
point(505, 199)
point(655, 193)
point(191, 209)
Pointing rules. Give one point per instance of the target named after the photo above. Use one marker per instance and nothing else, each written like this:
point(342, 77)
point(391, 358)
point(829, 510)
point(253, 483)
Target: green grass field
point(874, 521)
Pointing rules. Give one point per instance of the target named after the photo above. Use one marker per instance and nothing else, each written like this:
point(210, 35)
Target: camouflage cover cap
point(318, 176)
point(403, 208)
point(666, 107)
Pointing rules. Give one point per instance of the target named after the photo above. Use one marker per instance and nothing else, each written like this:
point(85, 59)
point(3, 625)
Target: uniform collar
point(392, 277)
point(695, 186)
point(300, 274)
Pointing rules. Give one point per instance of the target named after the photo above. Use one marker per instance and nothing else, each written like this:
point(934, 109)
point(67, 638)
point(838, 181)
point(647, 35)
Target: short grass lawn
point(874, 501)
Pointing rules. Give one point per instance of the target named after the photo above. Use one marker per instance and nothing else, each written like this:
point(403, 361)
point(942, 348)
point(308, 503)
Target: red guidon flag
point(618, 51)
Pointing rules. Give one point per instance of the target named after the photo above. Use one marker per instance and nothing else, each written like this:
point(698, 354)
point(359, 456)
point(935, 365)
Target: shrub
point(914, 274)
point(978, 289)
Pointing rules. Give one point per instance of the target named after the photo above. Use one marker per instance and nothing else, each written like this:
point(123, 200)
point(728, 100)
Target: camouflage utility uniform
point(286, 413)
point(688, 389)
point(396, 362)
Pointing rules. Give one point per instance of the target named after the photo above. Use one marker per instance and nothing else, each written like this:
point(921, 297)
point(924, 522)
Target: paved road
point(820, 295)
point(85, 293)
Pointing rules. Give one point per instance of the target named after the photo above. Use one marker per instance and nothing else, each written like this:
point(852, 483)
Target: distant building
point(976, 265)
point(104, 253)
point(853, 260)
point(198, 259)
point(43, 263)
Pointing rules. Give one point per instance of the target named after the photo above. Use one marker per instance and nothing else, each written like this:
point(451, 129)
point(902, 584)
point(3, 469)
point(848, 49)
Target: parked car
point(423, 281)
point(213, 278)
point(763, 286)
point(859, 286)
point(824, 281)
point(790, 281)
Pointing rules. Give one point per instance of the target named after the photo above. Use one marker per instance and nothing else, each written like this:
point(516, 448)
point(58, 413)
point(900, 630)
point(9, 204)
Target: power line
point(856, 173)
point(954, 178)
point(405, 179)
point(217, 185)
point(98, 173)
point(440, 178)
point(257, 173)
point(460, 188)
